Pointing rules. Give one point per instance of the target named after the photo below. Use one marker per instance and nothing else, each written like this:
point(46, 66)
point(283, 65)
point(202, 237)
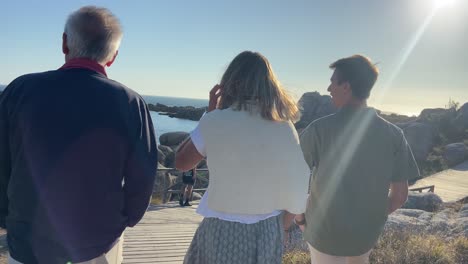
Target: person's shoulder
point(322, 121)
point(129, 93)
point(389, 126)
point(28, 80)
point(31, 77)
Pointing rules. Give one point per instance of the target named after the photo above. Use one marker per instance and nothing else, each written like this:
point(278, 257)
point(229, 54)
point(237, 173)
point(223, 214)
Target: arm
point(141, 167)
point(187, 156)
point(397, 196)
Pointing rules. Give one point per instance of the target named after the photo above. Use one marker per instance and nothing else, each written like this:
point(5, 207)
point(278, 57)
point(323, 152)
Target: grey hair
point(93, 33)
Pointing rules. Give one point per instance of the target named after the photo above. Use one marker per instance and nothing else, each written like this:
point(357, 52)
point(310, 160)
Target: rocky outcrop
point(169, 156)
point(420, 137)
point(428, 201)
point(164, 179)
point(313, 106)
point(173, 138)
point(428, 113)
point(446, 223)
point(182, 112)
point(461, 121)
point(455, 153)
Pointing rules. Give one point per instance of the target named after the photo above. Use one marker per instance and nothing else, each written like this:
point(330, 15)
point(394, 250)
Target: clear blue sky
point(181, 48)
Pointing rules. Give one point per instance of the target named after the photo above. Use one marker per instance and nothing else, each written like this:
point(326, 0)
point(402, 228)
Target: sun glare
point(443, 3)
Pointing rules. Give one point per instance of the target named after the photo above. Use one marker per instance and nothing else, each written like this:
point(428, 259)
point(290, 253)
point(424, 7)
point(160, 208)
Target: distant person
point(78, 152)
point(188, 181)
point(357, 157)
point(255, 163)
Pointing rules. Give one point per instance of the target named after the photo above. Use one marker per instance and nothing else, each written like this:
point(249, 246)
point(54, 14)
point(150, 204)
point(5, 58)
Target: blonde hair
point(249, 79)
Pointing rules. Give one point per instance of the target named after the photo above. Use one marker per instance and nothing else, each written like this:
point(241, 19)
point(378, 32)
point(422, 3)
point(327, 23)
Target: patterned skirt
point(222, 242)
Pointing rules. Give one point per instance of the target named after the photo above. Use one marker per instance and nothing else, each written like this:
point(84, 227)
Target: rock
point(455, 153)
point(169, 155)
point(461, 121)
point(400, 222)
point(182, 112)
point(172, 138)
point(313, 106)
point(161, 156)
point(445, 223)
point(420, 137)
point(196, 196)
point(428, 113)
point(441, 223)
point(165, 149)
point(463, 211)
point(411, 212)
point(423, 201)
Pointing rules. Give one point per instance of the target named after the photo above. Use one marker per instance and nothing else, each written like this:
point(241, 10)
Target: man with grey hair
point(78, 152)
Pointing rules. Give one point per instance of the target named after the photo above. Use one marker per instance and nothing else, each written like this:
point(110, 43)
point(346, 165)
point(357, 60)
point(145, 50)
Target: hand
point(300, 221)
point(215, 93)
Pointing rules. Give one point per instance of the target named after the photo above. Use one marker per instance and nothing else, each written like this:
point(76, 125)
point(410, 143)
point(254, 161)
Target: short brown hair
point(359, 72)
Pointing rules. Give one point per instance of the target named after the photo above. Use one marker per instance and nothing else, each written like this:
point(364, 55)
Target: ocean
point(163, 123)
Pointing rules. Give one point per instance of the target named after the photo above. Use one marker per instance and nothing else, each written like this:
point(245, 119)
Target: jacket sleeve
point(141, 164)
point(5, 160)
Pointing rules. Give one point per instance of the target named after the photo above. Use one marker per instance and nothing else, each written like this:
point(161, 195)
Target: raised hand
point(215, 93)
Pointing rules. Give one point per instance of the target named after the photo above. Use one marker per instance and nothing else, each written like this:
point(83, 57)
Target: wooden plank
point(162, 236)
point(451, 185)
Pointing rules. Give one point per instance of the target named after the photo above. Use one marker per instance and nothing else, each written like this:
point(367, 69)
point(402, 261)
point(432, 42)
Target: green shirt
point(356, 155)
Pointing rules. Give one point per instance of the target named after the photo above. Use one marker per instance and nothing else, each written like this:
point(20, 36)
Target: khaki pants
point(113, 256)
point(318, 257)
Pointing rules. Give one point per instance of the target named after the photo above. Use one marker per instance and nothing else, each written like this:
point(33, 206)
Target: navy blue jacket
point(78, 159)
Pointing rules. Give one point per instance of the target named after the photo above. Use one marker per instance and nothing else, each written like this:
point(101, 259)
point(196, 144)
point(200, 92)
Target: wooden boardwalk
point(162, 236)
point(451, 185)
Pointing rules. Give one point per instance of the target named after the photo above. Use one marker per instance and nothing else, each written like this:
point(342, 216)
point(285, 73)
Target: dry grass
point(406, 248)
point(296, 257)
point(156, 200)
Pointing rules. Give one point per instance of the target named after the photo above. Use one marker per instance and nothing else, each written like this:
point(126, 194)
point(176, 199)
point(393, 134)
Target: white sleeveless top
point(256, 165)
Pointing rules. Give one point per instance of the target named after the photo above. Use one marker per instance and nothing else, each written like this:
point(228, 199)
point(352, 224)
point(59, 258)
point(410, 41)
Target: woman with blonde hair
point(255, 162)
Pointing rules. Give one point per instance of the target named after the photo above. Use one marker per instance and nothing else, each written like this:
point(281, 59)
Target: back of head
point(249, 79)
point(359, 72)
point(93, 33)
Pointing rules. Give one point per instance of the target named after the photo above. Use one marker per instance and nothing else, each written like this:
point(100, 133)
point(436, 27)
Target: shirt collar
point(83, 63)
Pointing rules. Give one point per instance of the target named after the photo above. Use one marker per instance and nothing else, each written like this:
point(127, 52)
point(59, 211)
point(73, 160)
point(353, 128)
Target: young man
point(78, 153)
point(358, 157)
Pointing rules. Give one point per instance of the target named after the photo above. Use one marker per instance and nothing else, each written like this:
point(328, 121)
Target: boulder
point(196, 196)
point(313, 106)
point(169, 155)
point(455, 153)
point(420, 137)
point(461, 121)
point(423, 201)
point(182, 112)
point(161, 156)
point(173, 138)
point(429, 113)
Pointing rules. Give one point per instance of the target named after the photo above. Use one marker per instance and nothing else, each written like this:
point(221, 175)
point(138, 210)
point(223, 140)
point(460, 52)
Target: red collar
point(83, 63)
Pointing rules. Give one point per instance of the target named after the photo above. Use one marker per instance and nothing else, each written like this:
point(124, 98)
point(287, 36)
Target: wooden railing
point(168, 192)
point(429, 188)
